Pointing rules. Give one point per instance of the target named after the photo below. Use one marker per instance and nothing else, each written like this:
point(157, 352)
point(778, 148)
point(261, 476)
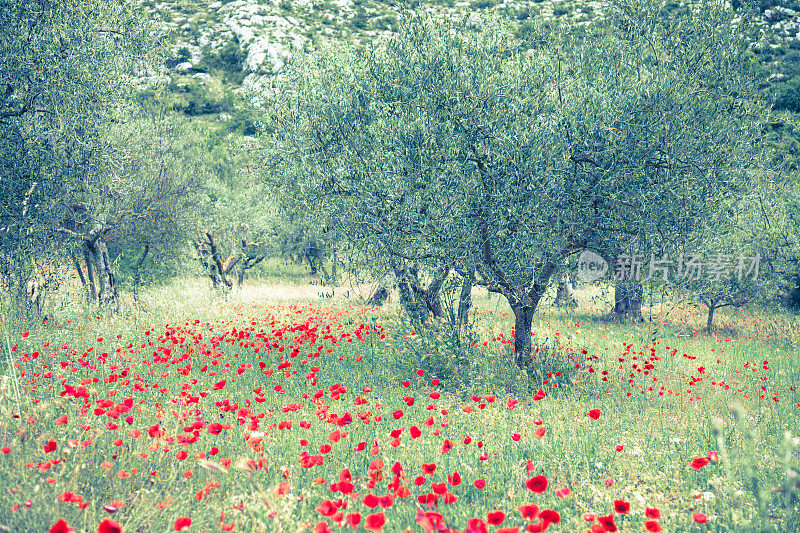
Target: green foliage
point(228, 62)
point(360, 20)
point(183, 54)
point(560, 11)
point(788, 95)
point(67, 71)
point(243, 121)
point(198, 99)
point(456, 358)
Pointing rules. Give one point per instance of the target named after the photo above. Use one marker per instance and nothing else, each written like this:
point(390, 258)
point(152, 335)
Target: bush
point(243, 121)
point(788, 95)
point(360, 20)
point(199, 101)
point(793, 298)
point(560, 11)
point(483, 4)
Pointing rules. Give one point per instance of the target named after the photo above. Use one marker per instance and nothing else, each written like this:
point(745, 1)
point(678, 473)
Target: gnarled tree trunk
point(107, 294)
point(419, 301)
point(565, 294)
point(137, 276)
point(523, 320)
point(84, 282)
point(379, 297)
point(465, 298)
point(90, 275)
point(628, 297)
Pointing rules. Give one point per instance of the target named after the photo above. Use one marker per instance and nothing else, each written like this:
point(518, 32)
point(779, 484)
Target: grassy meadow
point(283, 409)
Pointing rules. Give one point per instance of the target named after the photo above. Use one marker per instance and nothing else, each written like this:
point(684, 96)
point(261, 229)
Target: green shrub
point(243, 122)
point(560, 11)
point(788, 95)
point(483, 4)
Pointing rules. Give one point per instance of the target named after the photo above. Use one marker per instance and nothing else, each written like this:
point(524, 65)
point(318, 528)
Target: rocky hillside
point(223, 48)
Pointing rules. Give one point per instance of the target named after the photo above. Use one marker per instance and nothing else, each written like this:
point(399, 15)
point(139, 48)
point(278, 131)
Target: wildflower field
point(245, 415)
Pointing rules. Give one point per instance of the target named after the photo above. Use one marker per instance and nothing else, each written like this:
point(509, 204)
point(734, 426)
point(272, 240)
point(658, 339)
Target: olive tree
point(448, 145)
point(65, 68)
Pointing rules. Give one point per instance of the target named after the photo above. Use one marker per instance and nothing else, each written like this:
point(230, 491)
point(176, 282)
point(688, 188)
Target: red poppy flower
point(322, 527)
point(326, 508)
point(447, 446)
point(608, 523)
point(353, 520)
point(496, 518)
point(428, 469)
point(50, 446)
point(479, 483)
point(700, 518)
point(475, 525)
point(109, 526)
point(650, 512)
point(370, 500)
point(375, 522)
point(61, 527)
point(454, 479)
point(529, 512)
point(415, 432)
point(699, 463)
point(622, 507)
point(594, 414)
point(549, 516)
point(652, 526)
point(182, 523)
point(537, 484)
point(537, 527)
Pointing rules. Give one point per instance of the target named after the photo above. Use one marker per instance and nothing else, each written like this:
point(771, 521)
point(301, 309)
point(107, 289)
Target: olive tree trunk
point(465, 298)
point(137, 276)
point(107, 294)
point(628, 297)
point(565, 294)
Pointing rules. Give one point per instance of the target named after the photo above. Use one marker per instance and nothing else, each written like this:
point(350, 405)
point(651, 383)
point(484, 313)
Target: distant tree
point(233, 231)
point(160, 172)
point(447, 144)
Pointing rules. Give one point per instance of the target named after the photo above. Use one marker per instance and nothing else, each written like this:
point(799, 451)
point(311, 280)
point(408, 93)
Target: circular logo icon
point(591, 266)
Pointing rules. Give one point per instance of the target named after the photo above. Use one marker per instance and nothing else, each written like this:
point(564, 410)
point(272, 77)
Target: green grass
point(687, 414)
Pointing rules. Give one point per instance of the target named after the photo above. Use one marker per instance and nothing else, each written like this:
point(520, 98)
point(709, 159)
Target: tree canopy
point(66, 66)
point(449, 145)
